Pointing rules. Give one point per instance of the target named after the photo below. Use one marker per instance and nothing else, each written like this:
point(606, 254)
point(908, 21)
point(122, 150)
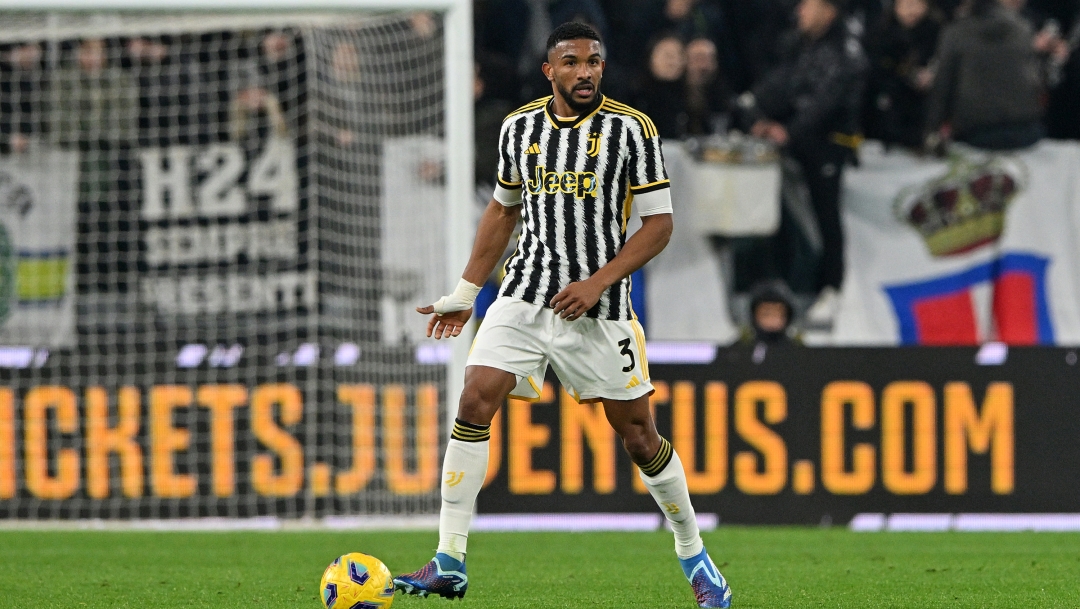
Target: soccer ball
point(357, 581)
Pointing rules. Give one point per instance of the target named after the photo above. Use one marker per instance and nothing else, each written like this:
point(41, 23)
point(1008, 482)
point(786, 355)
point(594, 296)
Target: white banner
point(977, 248)
point(37, 248)
point(685, 294)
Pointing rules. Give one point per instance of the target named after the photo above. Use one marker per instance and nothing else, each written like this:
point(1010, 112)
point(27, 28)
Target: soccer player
point(571, 167)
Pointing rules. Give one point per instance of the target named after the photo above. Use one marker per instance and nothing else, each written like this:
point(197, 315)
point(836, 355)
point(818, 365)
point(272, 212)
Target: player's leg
point(661, 469)
point(466, 461)
point(464, 468)
point(662, 472)
point(507, 348)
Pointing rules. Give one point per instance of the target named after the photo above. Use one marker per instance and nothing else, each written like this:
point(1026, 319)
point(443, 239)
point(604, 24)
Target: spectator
point(771, 314)
point(662, 95)
point(757, 27)
point(502, 29)
point(987, 87)
point(1063, 113)
point(809, 105)
point(96, 113)
point(1052, 49)
point(281, 69)
point(21, 91)
point(687, 19)
point(173, 104)
point(489, 111)
point(708, 93)
point(541, 17)
point(901, 48)
point(255, 112)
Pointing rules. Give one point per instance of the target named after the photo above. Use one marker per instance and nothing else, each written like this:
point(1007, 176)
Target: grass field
point(767, 567)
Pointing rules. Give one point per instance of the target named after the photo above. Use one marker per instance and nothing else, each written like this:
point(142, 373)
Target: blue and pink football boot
point(444, 576)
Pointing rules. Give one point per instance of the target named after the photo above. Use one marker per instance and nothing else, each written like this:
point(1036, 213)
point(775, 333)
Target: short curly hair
point(571, 30)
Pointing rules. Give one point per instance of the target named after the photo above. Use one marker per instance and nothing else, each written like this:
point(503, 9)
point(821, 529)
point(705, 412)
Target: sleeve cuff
point(507, 196)
point(644, 188)
point(653, 202)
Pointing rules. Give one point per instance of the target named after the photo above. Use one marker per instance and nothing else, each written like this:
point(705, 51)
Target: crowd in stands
point(685, 62)
point(814, 77)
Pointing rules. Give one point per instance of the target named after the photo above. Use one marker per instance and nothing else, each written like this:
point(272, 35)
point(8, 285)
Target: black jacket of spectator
point(896, 104)
point(817, 89)
point(987, 83)
point(816, 93)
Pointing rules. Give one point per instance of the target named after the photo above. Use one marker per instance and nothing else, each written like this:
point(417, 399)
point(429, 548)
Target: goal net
point(213, 231)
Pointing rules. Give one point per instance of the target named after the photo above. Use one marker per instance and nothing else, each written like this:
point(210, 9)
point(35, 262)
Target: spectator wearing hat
point(772, 313)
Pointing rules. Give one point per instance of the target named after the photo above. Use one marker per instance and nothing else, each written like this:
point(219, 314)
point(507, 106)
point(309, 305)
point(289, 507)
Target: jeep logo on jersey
point(580, 183)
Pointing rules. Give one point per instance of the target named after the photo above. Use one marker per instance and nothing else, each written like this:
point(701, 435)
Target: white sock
point(464, 469)
point(668, 488)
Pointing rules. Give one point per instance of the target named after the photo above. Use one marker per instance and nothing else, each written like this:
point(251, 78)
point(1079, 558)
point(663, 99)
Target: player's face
point(574, 68)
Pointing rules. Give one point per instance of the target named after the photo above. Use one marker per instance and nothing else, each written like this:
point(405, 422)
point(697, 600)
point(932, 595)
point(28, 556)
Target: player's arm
point(450, 313)
point(653, 236)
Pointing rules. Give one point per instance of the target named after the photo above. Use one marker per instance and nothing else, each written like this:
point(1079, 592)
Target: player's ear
point(548, 71)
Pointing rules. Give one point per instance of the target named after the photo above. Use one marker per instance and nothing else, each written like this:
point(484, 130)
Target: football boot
point(444, 576)
point(710, 587)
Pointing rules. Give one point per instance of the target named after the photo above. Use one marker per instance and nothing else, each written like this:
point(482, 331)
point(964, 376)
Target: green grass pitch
point(767, 567)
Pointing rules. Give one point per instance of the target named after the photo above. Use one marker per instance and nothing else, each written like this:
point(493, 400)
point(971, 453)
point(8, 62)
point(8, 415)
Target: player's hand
point(446, 325)
point(576, 300)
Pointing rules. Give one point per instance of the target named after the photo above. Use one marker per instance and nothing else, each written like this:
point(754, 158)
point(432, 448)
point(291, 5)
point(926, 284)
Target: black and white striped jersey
point(576, 181)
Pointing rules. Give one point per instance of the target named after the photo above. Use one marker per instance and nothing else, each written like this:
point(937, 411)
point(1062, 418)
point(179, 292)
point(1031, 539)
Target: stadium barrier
point(788, 435)
point(806, 436)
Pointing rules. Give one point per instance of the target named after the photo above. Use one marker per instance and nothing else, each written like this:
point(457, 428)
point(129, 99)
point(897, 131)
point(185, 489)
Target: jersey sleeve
point(646, 163)
point(508, 178)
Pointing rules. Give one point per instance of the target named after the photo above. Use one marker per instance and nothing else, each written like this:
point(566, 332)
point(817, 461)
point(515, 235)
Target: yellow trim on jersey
point(577, 121)
point(628, 205)
point(651, 184)
point(534, 104)
point(647, 126)
point(650, 127)
point(639, 335)
point(508, 185)
point(506, 265)
point(537, 389)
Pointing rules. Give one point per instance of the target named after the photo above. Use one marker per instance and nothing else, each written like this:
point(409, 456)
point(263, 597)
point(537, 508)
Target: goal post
point(209, 255)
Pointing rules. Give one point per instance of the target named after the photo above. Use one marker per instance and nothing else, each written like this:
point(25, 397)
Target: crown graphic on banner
point(965, 208)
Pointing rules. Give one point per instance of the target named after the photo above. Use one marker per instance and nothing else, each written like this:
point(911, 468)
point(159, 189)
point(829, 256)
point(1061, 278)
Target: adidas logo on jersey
point(533, 149)
point(634, 382)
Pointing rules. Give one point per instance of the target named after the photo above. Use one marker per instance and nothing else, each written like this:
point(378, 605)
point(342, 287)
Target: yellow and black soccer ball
point(357, 581)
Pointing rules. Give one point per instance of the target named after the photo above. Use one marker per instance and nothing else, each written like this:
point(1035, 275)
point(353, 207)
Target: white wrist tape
point(460, 299)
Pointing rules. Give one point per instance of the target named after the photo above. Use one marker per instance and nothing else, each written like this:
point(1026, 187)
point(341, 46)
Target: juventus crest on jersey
point(577, 180)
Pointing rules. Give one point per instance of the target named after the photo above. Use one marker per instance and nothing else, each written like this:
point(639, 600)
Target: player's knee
point(476, 406)
point(639, 445)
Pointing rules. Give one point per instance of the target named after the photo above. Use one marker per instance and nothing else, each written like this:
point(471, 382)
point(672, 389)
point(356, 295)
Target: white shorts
point(593, 358)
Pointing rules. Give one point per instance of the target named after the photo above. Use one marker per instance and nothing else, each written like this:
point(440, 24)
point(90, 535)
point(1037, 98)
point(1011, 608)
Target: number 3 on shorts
point(625, 344)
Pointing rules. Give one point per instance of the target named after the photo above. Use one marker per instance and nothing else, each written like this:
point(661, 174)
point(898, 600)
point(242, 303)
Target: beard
point(579, 106)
